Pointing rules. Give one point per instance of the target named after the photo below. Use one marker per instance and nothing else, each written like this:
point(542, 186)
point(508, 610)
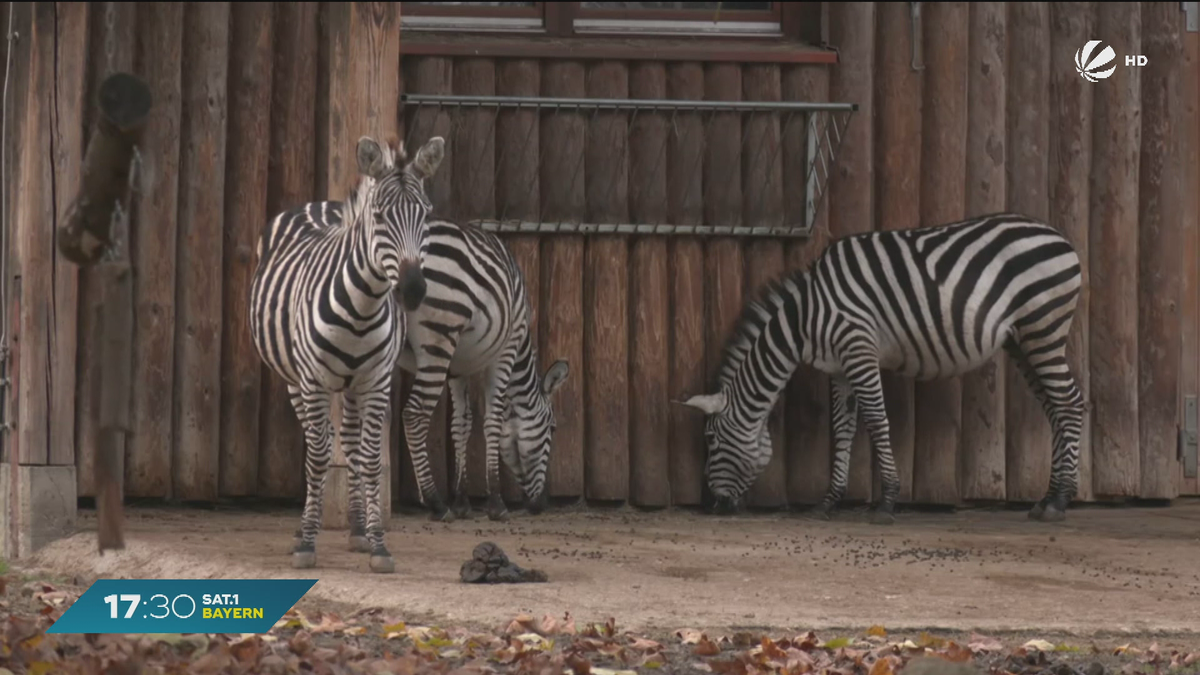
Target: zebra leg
point(318, 439)
point(426, 390)
point(460, 432)
point(845, 424)
point(351, 434)
point(372, 407)
point(493, 426)
point(868, 388)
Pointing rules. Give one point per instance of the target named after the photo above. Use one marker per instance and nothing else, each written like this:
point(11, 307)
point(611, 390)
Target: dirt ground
point(1105, 571)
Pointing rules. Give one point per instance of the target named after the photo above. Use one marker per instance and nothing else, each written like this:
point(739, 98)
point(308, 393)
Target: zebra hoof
point(462, 507)
point(1051, 514)
point(883, 518)
point(446, 516)
point(359, 544)
point(499, 516)
point(1037, 512)
point(303, 560)
point(383, 564)
point(819, 514)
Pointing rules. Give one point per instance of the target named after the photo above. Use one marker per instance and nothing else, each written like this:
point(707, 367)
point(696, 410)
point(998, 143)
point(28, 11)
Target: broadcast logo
point(1091, 68)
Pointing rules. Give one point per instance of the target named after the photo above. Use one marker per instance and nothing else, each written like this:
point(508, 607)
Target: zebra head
point(398, 207)
point(736, 454)
point(527, 434)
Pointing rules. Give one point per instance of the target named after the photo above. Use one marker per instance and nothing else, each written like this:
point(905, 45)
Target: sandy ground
point(1103, 571)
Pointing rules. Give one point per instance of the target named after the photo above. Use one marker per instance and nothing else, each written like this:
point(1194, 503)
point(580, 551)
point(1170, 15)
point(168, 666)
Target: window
point(598, 18)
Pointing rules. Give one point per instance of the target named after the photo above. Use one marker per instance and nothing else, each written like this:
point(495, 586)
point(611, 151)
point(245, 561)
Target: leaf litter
point(374, 642)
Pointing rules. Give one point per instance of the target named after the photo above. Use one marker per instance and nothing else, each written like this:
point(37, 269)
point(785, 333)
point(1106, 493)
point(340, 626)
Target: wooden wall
point(997, 118)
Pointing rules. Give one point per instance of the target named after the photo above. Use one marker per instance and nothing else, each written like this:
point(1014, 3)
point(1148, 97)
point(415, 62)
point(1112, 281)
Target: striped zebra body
point(324, 319)
point(476, 319)
point(927, 303)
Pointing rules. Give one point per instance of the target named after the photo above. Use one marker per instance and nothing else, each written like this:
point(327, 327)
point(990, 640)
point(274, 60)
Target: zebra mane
point(358, 198)
point(754, 317)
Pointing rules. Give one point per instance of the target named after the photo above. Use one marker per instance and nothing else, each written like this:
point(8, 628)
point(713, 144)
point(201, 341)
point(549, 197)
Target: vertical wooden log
point(517, 197)
point(1189, 223)
point(943, 200)
point(722, 206)
point(1112, 247)
point(897, 189)
point(291, 180)
point(851, 201)
point(564, 199)
point(148, 459)
point(474, 190)
point(650, 364)
point(806, 398)
point(762, 206)
point(91, 301)
point(606, 291)
point(247, 155)
point(33, 244)
point(1026, 432)
point(195, 464)
point(1160, 238)
point(685, 206)
point(434, 75)
point(983, 399)
point(67, 136)
point(1072, 24)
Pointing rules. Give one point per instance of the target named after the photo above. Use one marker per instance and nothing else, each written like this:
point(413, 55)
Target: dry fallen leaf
point(1039, 645)
point(877, 631)
point(689, 636)
point(981, 644)
point(882, 667)
point(706, 647)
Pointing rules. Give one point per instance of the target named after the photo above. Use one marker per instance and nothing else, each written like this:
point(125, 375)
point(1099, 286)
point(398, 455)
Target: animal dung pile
point(489, 565)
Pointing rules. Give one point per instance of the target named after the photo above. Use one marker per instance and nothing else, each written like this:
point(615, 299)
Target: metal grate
point(824, 128)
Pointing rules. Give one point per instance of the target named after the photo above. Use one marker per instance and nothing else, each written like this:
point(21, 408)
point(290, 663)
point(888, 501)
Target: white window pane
point(713, 6)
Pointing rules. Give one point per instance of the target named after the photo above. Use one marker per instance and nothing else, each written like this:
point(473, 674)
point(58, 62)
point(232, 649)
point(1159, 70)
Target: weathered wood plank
point(851, 200)
point(247, 156)
point(291, 180)
point(1160, 239)
point(943, 200)
point(1072, 24)
point(517, 196)
point(762, 206)
point(159, 62)
point(606, 291)
point(1189, 223)
point(649, 279)
point(898, 189)
point(806, 398)
point(564, 199)
point(723, 261)
point(685, 206)
point(195, 463)
point(1112, 246)
point(1026, 431)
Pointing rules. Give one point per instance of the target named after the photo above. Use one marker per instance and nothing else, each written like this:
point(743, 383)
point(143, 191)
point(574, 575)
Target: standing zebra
point(927, 303)
point(476, 318)
point(323, 317)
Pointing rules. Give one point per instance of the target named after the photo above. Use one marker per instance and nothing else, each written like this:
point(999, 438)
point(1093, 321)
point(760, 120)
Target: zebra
point(476, 319)
point(927, 303)
point(323, 317)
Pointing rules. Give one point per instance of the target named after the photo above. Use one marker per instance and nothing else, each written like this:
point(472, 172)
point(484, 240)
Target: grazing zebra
point(323, 317)
point(476, 318)
point(927, 303)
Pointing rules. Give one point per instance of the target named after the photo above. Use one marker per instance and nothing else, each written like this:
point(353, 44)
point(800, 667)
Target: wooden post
point(124, 103)
point(291, 180)
point(685, 145)
point(1161, 201)
point(649, 350)
point(762, 206)
point(1027, 432)
point(606, 291)
point(898, 189)
point(806, 398)
point(1071, 25)
point(564, 199)
point(851, 200)
point(1189, 220)
point(1113, 243)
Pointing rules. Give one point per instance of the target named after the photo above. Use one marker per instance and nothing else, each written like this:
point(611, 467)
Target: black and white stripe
point(476, 318)
point(927, 303)
point(323, 318)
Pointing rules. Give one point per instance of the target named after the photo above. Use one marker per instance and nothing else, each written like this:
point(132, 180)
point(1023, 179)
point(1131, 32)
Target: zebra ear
point(370, 157)
point(708, 403)
point(429, 157)
point(554, 377)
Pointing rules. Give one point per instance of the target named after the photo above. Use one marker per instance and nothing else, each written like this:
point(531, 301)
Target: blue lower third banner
point(182, 605)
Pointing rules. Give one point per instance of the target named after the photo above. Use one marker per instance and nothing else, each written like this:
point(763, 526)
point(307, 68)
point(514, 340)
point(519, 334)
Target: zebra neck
point(772, 344)
point(525, 379)
point(367, 285)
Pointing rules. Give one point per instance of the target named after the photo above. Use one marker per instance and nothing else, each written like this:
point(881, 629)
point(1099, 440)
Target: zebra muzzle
point(412, 286)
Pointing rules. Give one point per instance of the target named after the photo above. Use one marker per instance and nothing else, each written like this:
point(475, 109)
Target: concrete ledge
point(46, 502)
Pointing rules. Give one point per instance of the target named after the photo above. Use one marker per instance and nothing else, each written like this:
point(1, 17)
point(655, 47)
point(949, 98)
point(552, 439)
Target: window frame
point(563, 20)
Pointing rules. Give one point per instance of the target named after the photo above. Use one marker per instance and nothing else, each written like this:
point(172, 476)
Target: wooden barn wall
point(996, 119)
